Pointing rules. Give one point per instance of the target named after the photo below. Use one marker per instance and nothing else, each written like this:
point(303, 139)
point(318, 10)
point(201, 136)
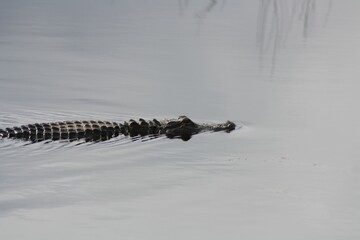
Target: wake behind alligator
point(182, 127)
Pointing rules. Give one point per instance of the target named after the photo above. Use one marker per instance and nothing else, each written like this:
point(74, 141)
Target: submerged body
point(182, 127)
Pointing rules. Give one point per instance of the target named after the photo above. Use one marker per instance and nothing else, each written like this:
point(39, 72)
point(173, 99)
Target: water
point(287, 70)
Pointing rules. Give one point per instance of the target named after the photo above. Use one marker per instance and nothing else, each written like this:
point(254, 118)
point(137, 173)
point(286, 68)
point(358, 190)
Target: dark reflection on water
point(183, 4)
point(201, 15)
point(209, 8)
point(277, 18)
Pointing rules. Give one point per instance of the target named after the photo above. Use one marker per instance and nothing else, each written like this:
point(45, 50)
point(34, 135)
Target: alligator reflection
point(182, 127)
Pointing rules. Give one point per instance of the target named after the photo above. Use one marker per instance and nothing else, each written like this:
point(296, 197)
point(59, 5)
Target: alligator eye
point(173, 124)
point(186, 120)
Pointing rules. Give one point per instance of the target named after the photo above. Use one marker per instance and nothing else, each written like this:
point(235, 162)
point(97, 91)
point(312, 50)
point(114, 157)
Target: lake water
point(288, 71)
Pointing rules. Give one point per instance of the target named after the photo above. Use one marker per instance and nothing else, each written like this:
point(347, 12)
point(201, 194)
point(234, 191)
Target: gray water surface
point(287, 71)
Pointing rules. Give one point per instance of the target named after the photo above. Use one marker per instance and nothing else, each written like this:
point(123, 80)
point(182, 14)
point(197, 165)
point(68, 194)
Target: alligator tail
point(89, 130)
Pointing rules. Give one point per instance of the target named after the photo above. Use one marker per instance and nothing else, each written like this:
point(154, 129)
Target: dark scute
point(81, 134)
point(3, 133)
point(88, 133)
point(18, 131)
point(156, 122)
point(47, 135)
point(25, 132)
point(72, 134)
point(96, 132)
point(64, 135)
point(55, 136)
point(11, 132)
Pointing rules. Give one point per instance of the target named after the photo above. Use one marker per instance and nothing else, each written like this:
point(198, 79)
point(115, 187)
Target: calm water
point(287, 70)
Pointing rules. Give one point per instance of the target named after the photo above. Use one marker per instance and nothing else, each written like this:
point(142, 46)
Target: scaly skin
point(182, 127)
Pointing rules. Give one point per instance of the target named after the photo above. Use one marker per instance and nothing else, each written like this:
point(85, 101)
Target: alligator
point(182, 127)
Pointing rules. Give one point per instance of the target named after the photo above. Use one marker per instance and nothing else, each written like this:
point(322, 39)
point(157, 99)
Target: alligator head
point(184, 128)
